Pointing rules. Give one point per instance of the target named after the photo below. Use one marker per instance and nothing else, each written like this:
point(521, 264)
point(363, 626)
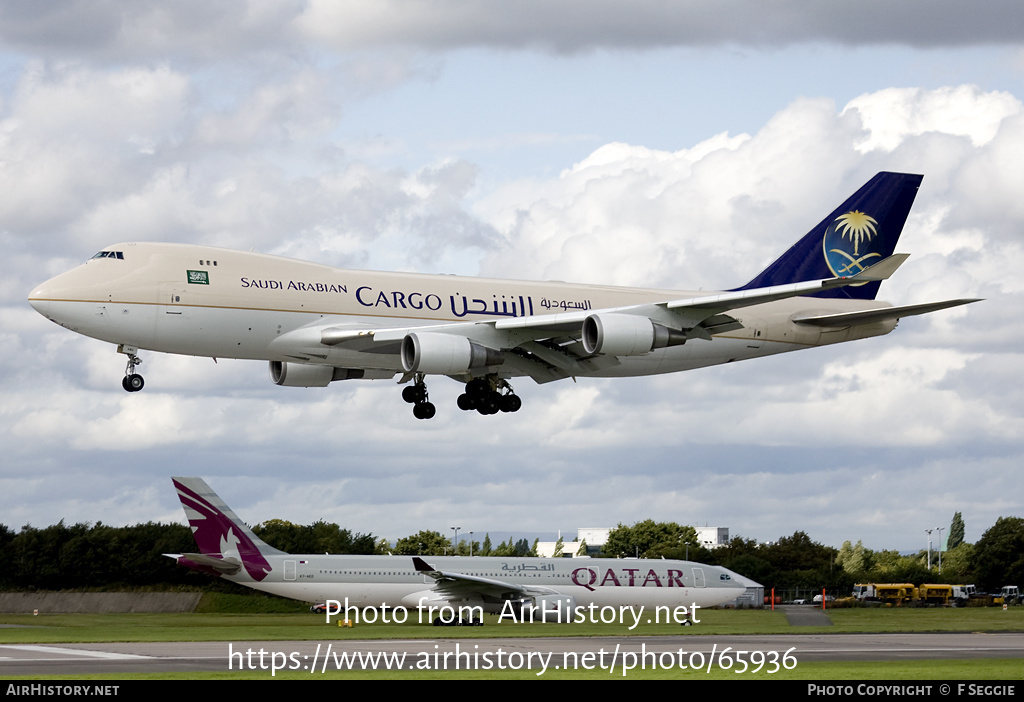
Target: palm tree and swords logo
point(853, 230)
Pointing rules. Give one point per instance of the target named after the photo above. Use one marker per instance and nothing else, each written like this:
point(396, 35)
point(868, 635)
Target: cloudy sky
point(646, 143)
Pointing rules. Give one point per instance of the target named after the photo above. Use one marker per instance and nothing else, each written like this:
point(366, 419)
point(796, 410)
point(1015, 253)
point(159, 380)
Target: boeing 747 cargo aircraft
point(316, 324)
point(560, 587)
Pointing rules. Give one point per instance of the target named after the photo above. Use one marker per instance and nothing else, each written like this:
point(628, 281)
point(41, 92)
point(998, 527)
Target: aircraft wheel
point(493, 401)
point(133, 382)
point(466, 402)
point(511, 403)
point(489, 403)
point(424, 410)
point(477, 386)
point(413, 394)
point(124, 384)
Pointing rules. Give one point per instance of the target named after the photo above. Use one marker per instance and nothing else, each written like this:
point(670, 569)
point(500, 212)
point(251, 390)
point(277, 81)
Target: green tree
point(505, 549)
point(859, 559)
point(485, 549)
point(62, 556)
point(798, 561)
point(318, 537)
point(845, 552)
point(958, 562)
point(464, 549)
point(649, 539)
point(424, 543)
point(956, 532)
point(999, 554)
point(559, 545)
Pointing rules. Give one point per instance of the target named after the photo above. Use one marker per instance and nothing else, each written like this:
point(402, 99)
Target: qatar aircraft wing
point(456, 585)
point(317, 325)
point(230, 550)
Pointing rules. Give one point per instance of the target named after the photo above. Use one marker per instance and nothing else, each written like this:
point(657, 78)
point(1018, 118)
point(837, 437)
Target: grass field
point(85, 628)
point(271, 626)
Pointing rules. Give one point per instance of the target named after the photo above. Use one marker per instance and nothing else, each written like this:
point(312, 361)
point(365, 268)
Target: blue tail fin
point(859, 233)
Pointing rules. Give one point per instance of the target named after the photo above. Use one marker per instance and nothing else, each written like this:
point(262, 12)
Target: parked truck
point(1010, 594)
point(894, 594)
point(940, 595)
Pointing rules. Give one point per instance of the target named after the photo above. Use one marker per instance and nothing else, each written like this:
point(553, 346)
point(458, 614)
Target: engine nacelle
point(444, 354)
point(554, 609)
point(627, 335)
point(301, 375)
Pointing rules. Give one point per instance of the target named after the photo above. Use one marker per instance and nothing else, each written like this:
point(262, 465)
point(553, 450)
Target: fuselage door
point(289, 570)
point(698, 577)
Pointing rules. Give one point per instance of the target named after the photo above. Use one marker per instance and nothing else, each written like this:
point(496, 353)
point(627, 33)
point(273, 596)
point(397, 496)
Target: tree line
point(100, 556)
point(797, 562)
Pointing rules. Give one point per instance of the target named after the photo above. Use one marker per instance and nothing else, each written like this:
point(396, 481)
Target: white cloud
point(890, 116)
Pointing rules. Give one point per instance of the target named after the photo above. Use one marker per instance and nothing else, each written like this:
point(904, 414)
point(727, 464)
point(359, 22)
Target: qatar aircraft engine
point(316, 324)
point(548, 589)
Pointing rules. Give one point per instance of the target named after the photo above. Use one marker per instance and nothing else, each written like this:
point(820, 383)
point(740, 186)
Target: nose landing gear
point(132, 381)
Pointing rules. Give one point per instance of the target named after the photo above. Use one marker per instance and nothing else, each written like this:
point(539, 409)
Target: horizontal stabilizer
point(883, 269)
point(848, 319)
point(227, 566)
point(749, 297)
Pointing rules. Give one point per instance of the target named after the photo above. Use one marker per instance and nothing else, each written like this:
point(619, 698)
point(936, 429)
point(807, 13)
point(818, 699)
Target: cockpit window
point(110, 254)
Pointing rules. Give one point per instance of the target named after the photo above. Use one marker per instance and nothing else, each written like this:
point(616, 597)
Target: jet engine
point(627, 335)
point(308, 375)
point(301, 375)
point(444, 354)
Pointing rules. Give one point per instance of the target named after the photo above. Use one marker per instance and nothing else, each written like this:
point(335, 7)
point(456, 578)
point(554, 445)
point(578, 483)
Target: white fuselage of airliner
point(392, 581)
point(202, 301)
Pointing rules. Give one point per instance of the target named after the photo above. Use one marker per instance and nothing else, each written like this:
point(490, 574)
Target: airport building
point(591, 539)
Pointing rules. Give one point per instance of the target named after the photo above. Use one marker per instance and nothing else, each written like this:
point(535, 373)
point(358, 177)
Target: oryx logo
point(850, 243)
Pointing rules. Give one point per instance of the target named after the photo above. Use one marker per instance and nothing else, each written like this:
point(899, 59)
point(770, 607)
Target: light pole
point(456, 528)
point(939, 529)
point(929, 532)
point(470, 544)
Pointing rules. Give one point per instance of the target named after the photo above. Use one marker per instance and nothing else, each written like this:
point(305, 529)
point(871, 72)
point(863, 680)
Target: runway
point(742, 654)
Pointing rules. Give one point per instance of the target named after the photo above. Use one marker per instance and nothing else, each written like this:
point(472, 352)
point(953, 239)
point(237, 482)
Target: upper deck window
point(110, 254)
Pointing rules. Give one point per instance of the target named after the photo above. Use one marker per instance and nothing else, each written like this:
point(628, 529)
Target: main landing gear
point(489, 395)
point(416, 395)
point(132, 381)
